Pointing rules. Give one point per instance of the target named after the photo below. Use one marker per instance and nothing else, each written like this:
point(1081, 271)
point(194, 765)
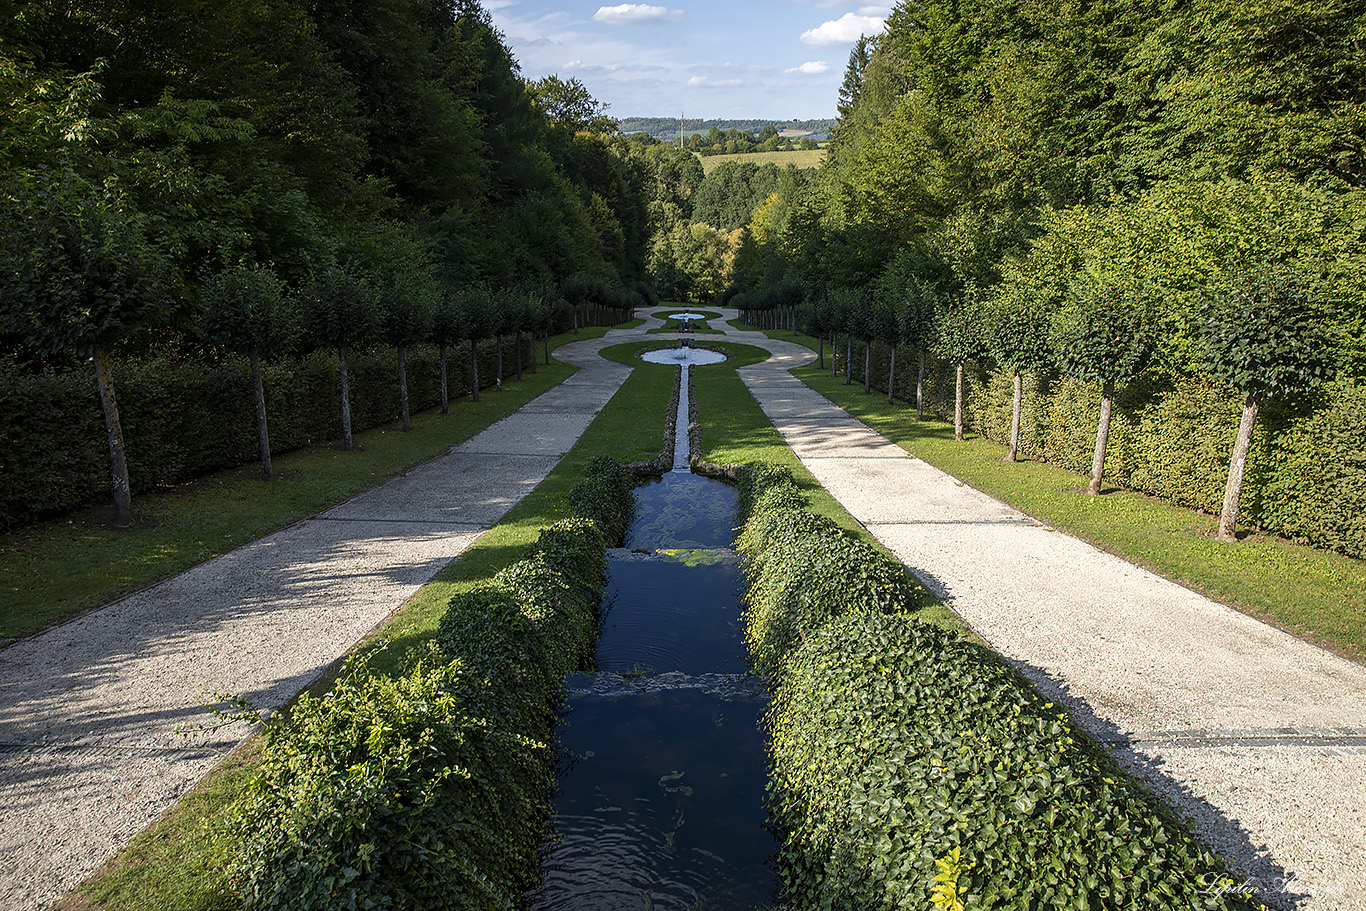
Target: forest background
point(1060, 209)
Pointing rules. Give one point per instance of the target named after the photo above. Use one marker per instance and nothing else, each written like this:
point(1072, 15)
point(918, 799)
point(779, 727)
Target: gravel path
point(1257, 736)
point(91, 712)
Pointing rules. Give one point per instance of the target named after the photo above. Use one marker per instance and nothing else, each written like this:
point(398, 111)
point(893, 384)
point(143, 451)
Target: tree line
point(268, 179)
point(1125, 194)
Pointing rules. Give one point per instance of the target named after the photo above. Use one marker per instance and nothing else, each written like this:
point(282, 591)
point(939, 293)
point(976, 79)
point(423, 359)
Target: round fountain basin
point(687, 316)
point(683, 357)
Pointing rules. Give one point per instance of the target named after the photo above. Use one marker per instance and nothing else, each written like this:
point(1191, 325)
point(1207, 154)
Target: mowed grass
point(1314, 594)
point(183, 862)
point(56, 569)
point(802, 159)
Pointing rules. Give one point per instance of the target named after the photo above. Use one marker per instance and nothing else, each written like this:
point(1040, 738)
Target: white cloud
point(636, 13)
point(809, 68)
point(845, 30)
point(705, 82)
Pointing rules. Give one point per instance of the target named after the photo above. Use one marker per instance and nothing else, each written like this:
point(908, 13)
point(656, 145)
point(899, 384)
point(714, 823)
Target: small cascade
point(682, 440)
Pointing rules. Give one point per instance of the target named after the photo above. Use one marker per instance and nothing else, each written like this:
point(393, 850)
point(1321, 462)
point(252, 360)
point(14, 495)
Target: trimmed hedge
point(911, 767)
point(1171, 437)
point(184, 418)
point(804, 570)
point(431, 789)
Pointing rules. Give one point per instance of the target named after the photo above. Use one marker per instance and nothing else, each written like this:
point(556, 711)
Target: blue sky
point(771, 59)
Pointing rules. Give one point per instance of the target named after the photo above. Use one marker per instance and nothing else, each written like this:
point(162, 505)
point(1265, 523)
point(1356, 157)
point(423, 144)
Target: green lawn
point(1314, 594)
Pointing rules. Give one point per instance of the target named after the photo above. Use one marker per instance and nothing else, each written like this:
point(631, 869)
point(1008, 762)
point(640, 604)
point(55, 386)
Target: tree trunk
point(849, 359)
point(403, 389)
point(474, 369)
point(1015, 410)
point(1228, 518)
point(498, 369)
point(834, 353)
point(1107, 401)
point(891, 377)
point(531, 348)
point(345, 398)
point(545, 337)
point(262, 433)
point(445, 399)
point(958, 408)
point(118, 459)
point(821, 351)
point(868, 367)
point(517, 339)
point(920, 389)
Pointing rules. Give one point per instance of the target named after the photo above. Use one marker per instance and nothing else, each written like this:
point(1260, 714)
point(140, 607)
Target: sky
point(707, 59)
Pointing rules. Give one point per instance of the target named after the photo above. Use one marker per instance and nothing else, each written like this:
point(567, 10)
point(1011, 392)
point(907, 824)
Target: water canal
point(660, 800)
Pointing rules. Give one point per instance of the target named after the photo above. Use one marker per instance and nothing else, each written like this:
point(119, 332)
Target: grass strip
point(1311, 593)
point(53, 570)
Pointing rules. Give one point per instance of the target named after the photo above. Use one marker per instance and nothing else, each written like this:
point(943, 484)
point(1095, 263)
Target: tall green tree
point(1017, 338)
point(339, 311)
point(245, 309)
point(406, 304)
point(79, 274)
point(1103, 334)
point(1266, 334)
point(957, 339)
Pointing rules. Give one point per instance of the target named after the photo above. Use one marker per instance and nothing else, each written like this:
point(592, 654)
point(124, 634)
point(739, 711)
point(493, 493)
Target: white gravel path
point(1257, 736)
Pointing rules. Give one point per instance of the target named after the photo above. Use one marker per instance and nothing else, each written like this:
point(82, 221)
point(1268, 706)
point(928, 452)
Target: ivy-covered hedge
point(183, 418)
point(804, 570)
point(910, 766)
point(1171, 436)
point(431, 789)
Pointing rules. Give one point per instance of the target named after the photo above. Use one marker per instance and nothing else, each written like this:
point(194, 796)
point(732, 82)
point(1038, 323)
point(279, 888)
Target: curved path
point(1258, 736)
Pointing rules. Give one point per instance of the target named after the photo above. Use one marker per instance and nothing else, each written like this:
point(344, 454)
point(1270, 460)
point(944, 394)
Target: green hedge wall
point(186, 418)
point(1171, 437)
point(431, 789)
point(912, 768)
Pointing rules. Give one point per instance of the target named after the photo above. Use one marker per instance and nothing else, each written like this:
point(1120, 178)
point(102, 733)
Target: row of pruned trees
point(1087, 304)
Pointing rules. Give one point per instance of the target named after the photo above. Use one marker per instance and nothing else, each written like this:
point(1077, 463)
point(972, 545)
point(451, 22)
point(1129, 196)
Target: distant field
point(810, 158)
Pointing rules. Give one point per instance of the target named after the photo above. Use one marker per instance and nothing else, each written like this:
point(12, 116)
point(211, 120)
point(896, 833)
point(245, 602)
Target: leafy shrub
point(387, 793)
point(431, 789)
point(604, 496)
point(803, 570)
point(909, 764)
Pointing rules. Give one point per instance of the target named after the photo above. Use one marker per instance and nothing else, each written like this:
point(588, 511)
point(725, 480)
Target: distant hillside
point(666, 128)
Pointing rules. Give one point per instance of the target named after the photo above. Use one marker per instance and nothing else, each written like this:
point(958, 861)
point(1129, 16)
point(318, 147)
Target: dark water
point(661, 803)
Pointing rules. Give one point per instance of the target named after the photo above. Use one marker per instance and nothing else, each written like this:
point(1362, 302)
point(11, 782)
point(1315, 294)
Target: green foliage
point(604, 496)
point(77, 268)
point(339, 310)
point(430, 788)
point(386, 792)
point(956, 336)
point(1265, 333)
point(1103, 333)
point(245, 309)
point(910, 765)
point(803, 570)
